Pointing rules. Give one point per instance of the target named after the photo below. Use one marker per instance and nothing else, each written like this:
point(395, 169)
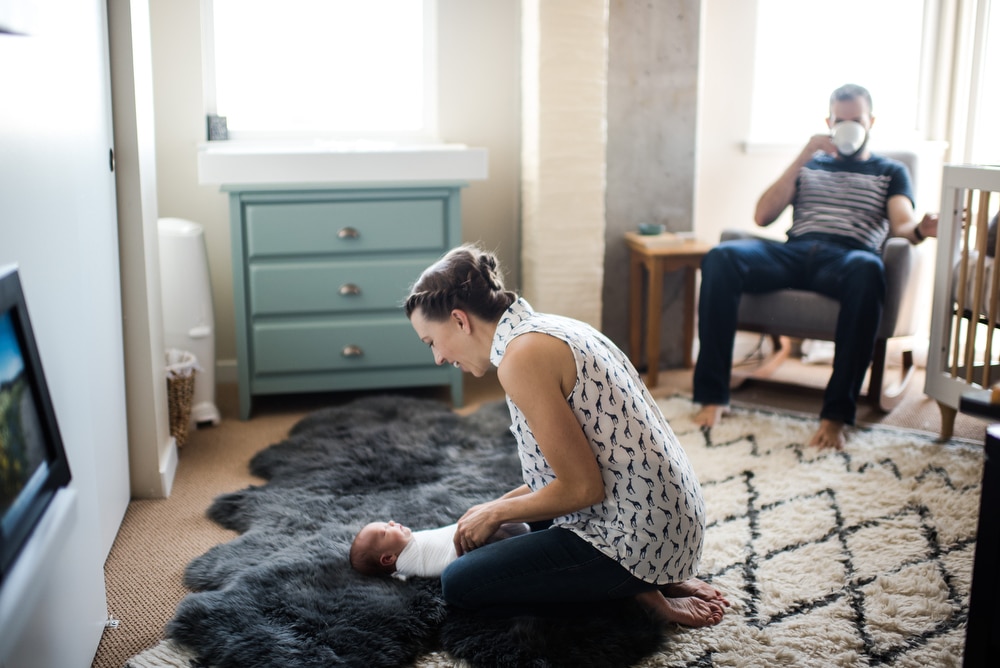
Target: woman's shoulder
point(534, 359)
point(534, 348)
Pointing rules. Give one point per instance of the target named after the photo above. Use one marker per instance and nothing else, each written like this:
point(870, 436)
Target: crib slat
point(991, 307)
point(963, 276)
point(977, 294)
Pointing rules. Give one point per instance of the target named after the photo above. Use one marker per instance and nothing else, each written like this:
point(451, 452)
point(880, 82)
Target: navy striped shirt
point(846, 201)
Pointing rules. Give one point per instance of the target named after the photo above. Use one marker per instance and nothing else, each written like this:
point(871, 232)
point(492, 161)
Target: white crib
point(966, 308)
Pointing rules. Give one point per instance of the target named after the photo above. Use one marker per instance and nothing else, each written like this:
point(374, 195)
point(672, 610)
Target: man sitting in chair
point(846, 201)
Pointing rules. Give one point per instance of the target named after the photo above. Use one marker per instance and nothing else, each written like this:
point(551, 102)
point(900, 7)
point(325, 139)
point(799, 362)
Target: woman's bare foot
point(689, 611)
point(694, 587)
point(829, 435)
point(709, 415)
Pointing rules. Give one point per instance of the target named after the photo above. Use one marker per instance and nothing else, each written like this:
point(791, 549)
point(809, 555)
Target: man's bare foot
point(709, 415)
point(694, 587)
point(689, 611)
point(829, 435)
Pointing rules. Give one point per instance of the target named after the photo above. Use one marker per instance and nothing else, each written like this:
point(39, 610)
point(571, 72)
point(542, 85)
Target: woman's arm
point(517, 491)
point(538, 373)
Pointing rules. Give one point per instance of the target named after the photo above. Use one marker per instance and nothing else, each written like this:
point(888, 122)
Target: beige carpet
point(159, 537)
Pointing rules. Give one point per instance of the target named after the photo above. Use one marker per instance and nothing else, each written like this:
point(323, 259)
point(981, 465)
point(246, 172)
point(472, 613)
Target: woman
point(597, 457)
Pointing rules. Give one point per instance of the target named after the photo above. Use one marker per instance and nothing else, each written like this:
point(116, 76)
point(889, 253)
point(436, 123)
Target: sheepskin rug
point(830, 559)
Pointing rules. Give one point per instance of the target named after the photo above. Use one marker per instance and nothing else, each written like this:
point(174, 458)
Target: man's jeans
point(855, 278)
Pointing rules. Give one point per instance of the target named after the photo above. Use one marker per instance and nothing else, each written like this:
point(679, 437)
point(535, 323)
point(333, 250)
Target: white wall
point(57, 221)
point(565, 63)
point(478, 79)
point(729, 180)
point(152, 450)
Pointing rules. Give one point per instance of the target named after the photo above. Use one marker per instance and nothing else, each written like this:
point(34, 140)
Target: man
point(845, 203)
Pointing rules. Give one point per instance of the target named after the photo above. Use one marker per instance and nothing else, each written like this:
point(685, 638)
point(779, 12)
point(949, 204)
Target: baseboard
point(168, 467)
point(226, 371)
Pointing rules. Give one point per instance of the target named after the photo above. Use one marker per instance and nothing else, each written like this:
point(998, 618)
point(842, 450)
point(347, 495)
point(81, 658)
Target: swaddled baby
point(389, 548)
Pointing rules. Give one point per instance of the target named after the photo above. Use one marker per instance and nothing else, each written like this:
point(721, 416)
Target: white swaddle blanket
point(427, 553)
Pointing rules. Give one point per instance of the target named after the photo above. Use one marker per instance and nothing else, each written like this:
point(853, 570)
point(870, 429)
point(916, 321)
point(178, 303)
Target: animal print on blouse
point(652, 519)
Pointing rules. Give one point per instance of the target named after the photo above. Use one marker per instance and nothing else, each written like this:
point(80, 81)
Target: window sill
point(314, 162)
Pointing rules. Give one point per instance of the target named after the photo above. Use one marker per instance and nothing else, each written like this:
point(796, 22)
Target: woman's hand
point(476, 527)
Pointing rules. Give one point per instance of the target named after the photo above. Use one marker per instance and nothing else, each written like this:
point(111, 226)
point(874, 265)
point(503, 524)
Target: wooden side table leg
point(689, 275)
point(635, 309)
point(653, 306)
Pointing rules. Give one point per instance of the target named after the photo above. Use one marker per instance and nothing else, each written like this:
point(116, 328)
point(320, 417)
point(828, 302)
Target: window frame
point(428, 133)
point(763, 138)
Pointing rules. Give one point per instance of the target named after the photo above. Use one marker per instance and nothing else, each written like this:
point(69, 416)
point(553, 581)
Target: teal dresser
point(319, 276)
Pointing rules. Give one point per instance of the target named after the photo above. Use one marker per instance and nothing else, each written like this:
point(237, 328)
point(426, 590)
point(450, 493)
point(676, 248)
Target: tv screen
point(33, 464)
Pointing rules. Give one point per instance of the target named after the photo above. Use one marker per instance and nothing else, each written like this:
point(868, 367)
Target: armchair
point(810, 315)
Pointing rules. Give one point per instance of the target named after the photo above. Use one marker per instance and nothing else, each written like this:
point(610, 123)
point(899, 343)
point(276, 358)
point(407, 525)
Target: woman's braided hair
point(466, 278)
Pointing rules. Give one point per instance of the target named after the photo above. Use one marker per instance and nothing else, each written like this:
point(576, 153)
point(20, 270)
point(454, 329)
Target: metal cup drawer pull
point(348, 233)
point(349, 290)
point(352, 351)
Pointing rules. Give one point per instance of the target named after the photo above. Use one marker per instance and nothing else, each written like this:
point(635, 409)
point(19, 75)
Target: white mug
point(848, 137)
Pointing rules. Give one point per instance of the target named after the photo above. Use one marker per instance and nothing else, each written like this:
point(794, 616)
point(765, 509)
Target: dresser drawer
point(278, 288)
point(352, 226)
point(373, 342)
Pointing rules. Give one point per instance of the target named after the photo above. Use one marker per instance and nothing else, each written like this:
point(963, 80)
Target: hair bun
point(488, 270)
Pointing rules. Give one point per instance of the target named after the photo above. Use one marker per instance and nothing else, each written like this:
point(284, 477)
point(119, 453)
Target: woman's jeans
point(535, 573)
point(855, 278)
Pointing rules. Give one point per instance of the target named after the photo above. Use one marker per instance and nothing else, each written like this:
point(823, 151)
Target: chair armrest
point(900, 258)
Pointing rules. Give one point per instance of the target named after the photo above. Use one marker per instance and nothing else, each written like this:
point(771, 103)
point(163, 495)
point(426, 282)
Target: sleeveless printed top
point(652, 519)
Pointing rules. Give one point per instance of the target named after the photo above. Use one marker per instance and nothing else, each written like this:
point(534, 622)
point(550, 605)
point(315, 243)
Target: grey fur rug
point(283, 593)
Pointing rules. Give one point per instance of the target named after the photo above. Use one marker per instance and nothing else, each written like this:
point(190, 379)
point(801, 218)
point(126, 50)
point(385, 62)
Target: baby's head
point(376, 547)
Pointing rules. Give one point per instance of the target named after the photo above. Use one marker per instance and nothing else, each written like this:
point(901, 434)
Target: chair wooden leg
point(782, 349)
point(947, 421)
point(886, 398)
point(892, 396)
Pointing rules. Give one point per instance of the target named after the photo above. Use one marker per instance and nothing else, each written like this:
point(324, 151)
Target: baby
point(389, 548)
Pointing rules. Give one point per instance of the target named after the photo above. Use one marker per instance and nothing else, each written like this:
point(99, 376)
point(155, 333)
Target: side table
point(654, 256)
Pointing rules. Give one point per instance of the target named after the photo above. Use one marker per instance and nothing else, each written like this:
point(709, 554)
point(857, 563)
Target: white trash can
point(188, 315)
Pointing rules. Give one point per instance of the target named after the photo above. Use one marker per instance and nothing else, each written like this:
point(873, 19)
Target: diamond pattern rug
point(831, 559)
point(845, 559)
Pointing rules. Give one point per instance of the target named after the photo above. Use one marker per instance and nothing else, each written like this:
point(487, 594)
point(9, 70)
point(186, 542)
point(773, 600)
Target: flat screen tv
point(33, 464)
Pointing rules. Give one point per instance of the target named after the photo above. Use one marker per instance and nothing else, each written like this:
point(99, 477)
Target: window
point(339, 69)
point(984, 142)
point(807, 48)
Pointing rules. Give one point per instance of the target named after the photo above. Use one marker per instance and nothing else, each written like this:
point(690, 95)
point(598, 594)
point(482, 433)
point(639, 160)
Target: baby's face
point(388, 537)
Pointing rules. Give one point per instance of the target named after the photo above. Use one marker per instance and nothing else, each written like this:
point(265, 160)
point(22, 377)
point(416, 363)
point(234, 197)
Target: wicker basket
point(181, 369)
